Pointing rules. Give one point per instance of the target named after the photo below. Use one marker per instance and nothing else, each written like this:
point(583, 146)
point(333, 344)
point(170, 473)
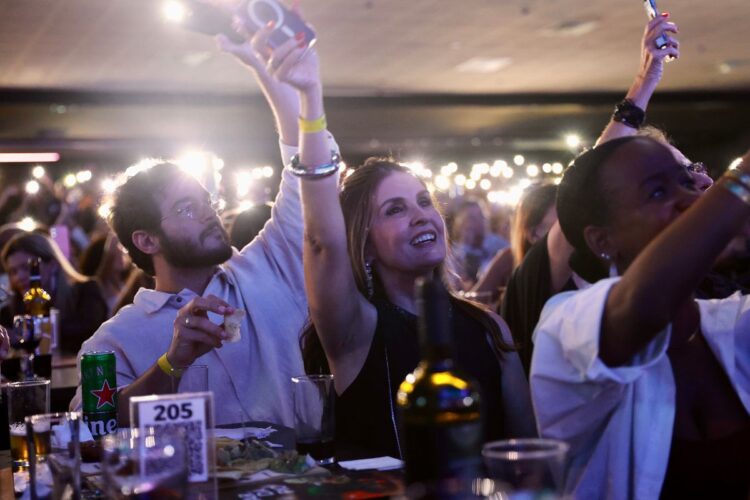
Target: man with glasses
point(169, 225)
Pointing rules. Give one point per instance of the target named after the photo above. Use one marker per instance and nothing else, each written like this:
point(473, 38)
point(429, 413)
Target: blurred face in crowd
point(470, 226)
point(537, 232)
point(119, 260)
point(407, 233)
point(18, 269)
point(192, 233)
point(648, 189)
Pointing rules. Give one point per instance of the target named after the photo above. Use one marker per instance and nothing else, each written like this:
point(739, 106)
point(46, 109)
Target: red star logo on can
point(105, 395)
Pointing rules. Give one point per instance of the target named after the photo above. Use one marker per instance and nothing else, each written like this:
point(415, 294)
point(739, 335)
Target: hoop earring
point(369, 281)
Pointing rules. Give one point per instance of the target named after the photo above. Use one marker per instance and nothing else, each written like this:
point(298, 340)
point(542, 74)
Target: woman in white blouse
point(650, 387)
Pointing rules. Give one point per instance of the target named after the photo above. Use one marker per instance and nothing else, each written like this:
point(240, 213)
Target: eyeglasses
point(194, 210)
point(697, 168)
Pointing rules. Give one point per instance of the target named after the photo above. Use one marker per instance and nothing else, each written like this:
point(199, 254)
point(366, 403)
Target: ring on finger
point(187, 321)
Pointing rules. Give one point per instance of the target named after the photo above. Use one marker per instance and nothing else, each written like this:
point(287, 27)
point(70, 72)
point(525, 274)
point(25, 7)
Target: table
point(335, 483)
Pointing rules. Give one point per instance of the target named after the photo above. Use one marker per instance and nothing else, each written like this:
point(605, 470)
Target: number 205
point(182, 411)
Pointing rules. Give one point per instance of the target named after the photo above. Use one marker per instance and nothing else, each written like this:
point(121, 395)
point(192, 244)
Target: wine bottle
point(440, 407)
point(37, 303)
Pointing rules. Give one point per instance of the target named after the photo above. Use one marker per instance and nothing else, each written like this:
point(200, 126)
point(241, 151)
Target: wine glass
point(26, 337)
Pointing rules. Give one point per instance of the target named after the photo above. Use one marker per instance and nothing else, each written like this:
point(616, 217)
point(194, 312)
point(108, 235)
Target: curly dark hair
point(136, 208)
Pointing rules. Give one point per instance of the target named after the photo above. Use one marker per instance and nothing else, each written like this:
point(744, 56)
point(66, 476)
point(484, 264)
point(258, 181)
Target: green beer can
point(99, 392)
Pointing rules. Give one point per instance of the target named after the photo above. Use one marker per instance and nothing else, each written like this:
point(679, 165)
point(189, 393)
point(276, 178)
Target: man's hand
point(255, 53)
point(652, 57)
point(194, 334)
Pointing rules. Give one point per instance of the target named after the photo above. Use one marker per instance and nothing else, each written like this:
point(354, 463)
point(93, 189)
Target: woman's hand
point(297, 64)
point(652, 57)
point(255, 54)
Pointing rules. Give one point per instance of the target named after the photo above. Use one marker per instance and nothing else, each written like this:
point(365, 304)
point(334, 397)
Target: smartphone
point(652, 12)
point(256, 14)
point(207, 19)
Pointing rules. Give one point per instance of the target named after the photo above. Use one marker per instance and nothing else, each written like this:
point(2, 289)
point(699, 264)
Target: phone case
point(258, 13)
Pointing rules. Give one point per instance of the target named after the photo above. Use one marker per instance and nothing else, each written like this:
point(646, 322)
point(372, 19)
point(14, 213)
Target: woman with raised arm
point(644, 382)
point(546, 271)
point(365, 244)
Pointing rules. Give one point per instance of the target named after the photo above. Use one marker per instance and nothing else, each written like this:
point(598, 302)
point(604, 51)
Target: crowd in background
point(86, 269)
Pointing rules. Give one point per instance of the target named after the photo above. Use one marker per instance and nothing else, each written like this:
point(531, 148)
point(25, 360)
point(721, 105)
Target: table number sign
point(190, 412)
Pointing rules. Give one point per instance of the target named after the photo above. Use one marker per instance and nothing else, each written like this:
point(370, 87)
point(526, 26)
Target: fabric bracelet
point(167, 367)
point(736, 189)
point(312, 126)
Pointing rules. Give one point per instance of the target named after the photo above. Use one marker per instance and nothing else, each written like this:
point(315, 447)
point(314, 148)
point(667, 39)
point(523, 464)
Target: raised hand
point(296, 63)
point(255, 54)
point(653, 57)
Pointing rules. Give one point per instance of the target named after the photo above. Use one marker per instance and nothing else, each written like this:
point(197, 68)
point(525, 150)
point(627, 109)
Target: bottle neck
point(435, 324)
point(35, 281)
point(35, 277)
point(438, 358)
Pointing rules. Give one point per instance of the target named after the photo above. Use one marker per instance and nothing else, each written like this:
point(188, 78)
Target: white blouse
point(618, 421)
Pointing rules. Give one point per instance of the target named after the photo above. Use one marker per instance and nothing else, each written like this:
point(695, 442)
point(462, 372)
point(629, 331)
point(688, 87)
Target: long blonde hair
point(357, 198)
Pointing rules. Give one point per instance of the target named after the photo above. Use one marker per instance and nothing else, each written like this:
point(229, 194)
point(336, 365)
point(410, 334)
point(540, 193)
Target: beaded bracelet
point(740, 177)
point(316, 172)
point(737, 189)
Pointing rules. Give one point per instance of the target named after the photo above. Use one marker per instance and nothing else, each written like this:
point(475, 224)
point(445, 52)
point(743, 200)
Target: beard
point(187, 254)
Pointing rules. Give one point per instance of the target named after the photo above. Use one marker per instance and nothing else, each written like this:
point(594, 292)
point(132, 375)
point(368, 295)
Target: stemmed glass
point(26, 337)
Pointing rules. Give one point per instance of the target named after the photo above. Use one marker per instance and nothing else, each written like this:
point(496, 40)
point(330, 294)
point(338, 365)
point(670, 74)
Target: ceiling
point(106, 80)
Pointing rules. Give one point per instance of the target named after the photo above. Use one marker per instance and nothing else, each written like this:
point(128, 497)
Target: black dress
point(366, 413)
point(529, 288)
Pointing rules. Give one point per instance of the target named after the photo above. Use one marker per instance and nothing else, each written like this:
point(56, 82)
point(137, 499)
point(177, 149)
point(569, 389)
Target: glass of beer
point(55, 455)
point(145, 464)
point(30, 397)
point(314, 420)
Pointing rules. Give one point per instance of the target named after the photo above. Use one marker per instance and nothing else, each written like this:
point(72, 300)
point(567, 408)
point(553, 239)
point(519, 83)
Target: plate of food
point(251, 459)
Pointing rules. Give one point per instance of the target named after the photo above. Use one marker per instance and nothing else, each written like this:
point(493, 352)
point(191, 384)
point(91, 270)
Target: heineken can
point(99, 392)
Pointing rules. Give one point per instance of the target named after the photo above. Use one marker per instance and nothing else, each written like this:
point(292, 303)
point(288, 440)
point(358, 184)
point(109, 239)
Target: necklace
point(390, 401)
point(688, 342)
point(694, 334)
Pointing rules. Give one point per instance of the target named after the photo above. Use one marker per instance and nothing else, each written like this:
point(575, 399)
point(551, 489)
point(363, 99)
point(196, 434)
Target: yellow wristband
point(312, 126)
point(167, 367)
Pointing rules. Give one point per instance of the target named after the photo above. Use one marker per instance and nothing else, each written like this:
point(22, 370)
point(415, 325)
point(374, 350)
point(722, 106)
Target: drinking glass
point(527, 466)
point(314, 416)
point(25, 336)
point(54, 455)
point(194, 378)
point(30, 397)
point(145, 465)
